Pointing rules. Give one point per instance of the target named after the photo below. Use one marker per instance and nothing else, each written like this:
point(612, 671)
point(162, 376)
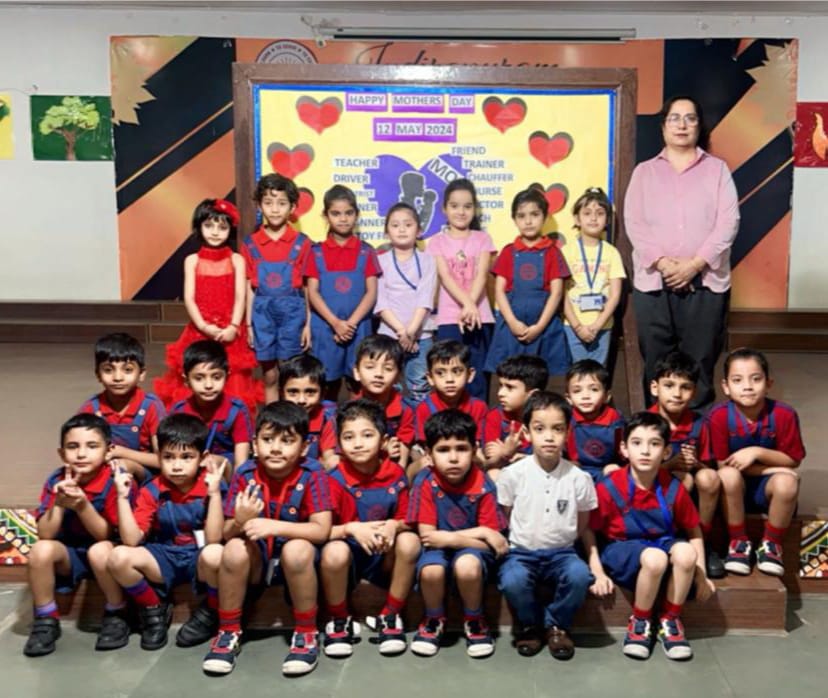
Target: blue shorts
point(445, 558)
point(756, 501)
point(594, 471)
point(272, 573)
point(277, 326)
point(367, 567)
point(177, 563)
point(78, 569)
point(622, 558)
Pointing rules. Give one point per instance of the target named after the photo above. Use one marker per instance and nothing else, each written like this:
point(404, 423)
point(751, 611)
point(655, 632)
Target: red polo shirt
point(468, 404)
point(389, 475)
point(275, 251)
point(343, 258)
point(423, 509)
point(554, 267)
point(155, 413)
point(606, 418)
point(241, 430)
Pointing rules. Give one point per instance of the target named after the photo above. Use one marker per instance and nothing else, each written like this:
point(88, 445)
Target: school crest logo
point(595, 448)
point(342, 284)
point(273, 279)
point(563, 505)
point(527, 271)
point(456, 518)
point(286, 51)
point(377, 512)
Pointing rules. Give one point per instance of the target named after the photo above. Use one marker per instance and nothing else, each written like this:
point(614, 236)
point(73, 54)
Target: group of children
point(551, 497)
point(283, 295)
point(415, 480)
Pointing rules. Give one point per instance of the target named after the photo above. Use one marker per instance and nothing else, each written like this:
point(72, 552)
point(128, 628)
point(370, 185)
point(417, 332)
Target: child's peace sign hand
point(121, 478)
point(517, 432)
point(394, 448)
point(215, 472)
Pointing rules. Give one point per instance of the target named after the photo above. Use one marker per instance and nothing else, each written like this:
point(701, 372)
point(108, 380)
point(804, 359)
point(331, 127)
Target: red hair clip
point(228, 210)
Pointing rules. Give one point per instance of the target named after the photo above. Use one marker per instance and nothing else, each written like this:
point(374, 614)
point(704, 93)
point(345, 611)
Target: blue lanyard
point(403, 276)
point(211, 436)
point(591, 276)
point(662, 504)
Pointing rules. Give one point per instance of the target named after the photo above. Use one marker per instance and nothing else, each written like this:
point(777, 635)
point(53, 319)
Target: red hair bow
point(228, 210)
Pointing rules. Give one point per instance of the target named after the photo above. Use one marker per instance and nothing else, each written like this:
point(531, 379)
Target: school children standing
point(463, 252)
point(529, 275)
point(594, 289)
point(405, 297)
point(341, 275)
point(214, 296)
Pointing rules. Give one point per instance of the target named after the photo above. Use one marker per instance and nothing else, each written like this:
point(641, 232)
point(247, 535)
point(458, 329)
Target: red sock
point(212, 598)
point(47, 610)
point(143, 594)
point(706, 529)
point(305, 620)
point(338, 610)
point(641, 614)
point(230, 621)
point(737, 532)
point(774, 534)
point(671, 610)
point(393, 605)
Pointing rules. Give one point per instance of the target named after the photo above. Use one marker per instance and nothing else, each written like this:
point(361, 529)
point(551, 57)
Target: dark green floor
point(754, 667)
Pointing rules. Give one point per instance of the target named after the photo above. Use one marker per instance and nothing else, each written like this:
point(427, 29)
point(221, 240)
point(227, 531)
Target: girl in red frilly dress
point(214, 295)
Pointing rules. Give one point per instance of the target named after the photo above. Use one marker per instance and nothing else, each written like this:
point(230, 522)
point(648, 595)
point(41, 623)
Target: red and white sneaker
point(303, 656)
point(739, 557)
point(769, 558)
point(671, 636)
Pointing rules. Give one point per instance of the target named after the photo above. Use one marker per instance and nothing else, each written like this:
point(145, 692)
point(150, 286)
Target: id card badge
point(591, 301)
point(199, 538)
point(272, 565)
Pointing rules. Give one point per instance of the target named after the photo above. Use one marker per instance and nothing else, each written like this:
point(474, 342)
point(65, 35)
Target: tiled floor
point(43, 384)
point(734, 666)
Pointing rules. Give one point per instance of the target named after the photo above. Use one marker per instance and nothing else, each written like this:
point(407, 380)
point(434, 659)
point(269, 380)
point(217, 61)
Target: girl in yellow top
point(594, 289)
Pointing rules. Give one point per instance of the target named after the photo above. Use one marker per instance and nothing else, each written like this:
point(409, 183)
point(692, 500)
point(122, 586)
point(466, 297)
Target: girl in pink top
point(463, 254)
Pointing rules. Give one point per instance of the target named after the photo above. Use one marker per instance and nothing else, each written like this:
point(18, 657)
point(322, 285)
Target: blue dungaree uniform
point(342, 291)
point(644, 528)
point(763, 436)
point(527, 299)
point(278, 308)
point(172, 540)
point(372, 504)
point(595, 446)
point(455, 512)
point(220, 437)
point(127, 435)
point(505, 430)
point(328, 413)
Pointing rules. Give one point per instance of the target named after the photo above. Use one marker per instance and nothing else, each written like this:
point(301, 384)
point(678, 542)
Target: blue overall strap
point(297, 247)
point(695, 431)
point(666, 514)
point(99, 502)
point(211, 436)
point(319, 258)
point(432, 408)
point(233, 412)
point(336, 474)
point(96, 405)
point(362, 258)
point(295, 500)
point(143, 408)
point(253, 249)
point(178, 407)
point(622, 504)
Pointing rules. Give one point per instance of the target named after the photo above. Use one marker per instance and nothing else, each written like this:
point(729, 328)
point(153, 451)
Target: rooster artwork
point(818, 138)
point(810, 137)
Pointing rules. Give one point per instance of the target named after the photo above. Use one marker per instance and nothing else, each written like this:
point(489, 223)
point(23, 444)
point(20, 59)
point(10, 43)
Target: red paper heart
point(305, 203)
point(287, 162)
point(549, 150)
point(556, 196)
point(504, 115)
point(318, 115)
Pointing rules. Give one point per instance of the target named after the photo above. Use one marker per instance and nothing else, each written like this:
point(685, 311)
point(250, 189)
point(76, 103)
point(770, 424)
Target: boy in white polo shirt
point(548, 500)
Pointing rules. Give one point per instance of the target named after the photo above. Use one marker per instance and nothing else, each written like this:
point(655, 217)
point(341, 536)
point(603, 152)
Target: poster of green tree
point(71, 127)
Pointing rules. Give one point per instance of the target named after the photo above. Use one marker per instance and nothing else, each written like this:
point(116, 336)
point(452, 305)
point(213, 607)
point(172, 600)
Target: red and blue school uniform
point(593, 444)
point(294, 498)
point(228, 423)
point(274, 269)
point(172, 521)
point(497, 426)
point(342, 271)
point(433, 404)
point(378, 496)
point(322, 425)
point(470, 504)
point(101, 492)
point(528, 272)
point(135, 426)
point(690, 429)
point(632, 519)
point(776, 427)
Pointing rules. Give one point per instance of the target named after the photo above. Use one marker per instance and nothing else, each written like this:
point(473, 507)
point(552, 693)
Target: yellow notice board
point(404, 143)
point(6, 136)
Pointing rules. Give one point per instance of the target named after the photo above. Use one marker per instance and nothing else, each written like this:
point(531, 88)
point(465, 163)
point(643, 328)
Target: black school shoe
point(714, 564)
point(155, 621)
point(201, 626)
point(43, 636)
point(114, 632)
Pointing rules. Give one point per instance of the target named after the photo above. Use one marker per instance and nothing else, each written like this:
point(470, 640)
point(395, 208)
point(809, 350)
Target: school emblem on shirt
point(527, 271)
point(562, 505)
point(456, 517)
point(376, 512)
point(273, 279)
point(342, 284)
point(595, 448)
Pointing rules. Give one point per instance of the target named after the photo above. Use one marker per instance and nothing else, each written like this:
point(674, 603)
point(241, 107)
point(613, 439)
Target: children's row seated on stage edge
point(696, 442)
point(66, 493)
